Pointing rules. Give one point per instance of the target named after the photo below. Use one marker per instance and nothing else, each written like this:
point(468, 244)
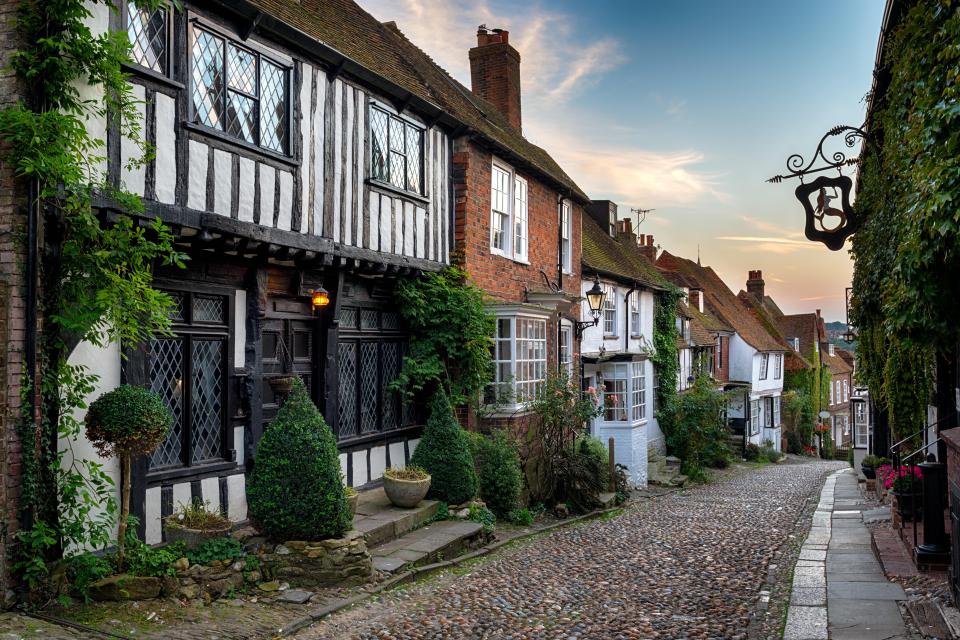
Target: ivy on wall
point(95, 275)
point(905, 300)
point(665, 354)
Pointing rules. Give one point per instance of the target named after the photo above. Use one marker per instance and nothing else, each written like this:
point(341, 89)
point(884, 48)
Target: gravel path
point(689, 565)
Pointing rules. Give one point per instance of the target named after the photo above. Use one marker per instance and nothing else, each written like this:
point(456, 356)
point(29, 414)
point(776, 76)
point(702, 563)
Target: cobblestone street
point(689, 565)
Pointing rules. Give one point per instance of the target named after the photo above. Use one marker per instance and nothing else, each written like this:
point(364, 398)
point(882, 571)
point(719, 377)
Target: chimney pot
point(755, 284)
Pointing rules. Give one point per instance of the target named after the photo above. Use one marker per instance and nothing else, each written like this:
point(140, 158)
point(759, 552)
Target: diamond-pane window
point(396, 151)
point(148, 33)
point(208, 80)
point(347, 369)
point(348, 317)
point(390, 371)
point(189, 372)
point(240, 92)
point(369, 379)
point(177, 307)
point(368, 319)
point(273, 107)
point(391, 320)
point(166, 380)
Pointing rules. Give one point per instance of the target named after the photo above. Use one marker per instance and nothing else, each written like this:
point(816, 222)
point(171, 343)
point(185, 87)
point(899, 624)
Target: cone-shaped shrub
point(296, 489)
point(444, 452)
point(499, 471)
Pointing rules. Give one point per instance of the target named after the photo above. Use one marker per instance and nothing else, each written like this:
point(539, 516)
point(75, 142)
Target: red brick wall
point(12, 325)
point(722, 371)
point(505, 280)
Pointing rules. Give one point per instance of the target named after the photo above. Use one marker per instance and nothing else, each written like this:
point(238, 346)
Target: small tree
point(444, 452)
point(499, 472)
point(125, 422)
point(296, 489)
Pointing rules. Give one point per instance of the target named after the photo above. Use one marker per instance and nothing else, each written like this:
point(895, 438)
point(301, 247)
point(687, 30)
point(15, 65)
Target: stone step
point(435, 542)
point(672, 462)
point(381, 522)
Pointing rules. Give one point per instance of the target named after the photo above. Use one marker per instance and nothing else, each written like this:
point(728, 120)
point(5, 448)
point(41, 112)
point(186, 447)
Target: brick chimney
point(495, 72)
point(755, 285)
point(647, 247)
point(696, 299)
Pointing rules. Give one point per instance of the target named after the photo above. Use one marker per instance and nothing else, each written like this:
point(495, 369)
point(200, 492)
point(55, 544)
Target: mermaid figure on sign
point(824, 209)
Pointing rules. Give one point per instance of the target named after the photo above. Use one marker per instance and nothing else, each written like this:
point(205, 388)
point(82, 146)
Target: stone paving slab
point(806, 623)
point(427, 544)
point(850, 590)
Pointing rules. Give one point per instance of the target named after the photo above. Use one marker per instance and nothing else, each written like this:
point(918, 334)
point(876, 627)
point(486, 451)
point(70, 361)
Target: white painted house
point(616, 351)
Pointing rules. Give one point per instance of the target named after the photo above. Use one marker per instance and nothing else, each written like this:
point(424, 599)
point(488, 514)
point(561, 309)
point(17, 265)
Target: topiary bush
point(296, 489)
point(121, 423)
point(444, 452)
point(499, 473)
point(598, 455)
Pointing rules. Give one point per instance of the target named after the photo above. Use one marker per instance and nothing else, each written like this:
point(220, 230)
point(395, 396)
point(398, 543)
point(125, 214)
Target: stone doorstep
point(381, 522)
point(440, 540)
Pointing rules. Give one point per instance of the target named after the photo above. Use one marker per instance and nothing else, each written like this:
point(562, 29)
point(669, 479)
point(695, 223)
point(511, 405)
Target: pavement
point(839, 589)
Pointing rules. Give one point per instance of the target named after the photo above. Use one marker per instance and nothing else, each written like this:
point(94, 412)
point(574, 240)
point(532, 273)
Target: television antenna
point(641, 214)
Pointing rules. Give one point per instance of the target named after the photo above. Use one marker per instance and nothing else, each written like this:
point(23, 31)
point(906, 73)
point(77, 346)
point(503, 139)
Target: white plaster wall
point(240, 329)
point(593, 337)
point(132, 172)
point(104, 363)
point(166, 148)
point(237, 497)
point(770, 384)
point(741, 359)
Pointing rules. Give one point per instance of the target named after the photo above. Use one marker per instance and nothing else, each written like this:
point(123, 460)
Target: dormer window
point(239, 92)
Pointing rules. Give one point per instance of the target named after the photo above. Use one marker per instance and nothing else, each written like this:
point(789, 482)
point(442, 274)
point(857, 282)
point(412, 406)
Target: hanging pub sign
point(830, 218)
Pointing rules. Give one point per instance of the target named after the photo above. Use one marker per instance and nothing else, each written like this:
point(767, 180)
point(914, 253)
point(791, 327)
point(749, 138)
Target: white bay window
point(520, 359)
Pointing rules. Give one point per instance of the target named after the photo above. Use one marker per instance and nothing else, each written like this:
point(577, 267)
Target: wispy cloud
point(671, 106)
point(771, 244)
point(767, 227)
point(814, 298)
point(556, 63)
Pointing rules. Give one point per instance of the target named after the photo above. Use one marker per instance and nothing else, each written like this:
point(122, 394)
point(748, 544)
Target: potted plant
point(406, 487)
point(196, 523)
point(869, 466)
point(904, 483)
point(353, 499)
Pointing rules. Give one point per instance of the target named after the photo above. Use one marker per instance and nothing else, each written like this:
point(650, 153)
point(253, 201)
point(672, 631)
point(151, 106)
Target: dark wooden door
point(288, 347)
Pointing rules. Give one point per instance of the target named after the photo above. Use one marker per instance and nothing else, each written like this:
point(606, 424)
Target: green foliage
point(140, 559)
point(216, 549)
point(599, 455)
point(580, 476)
point(665, 360)
point(498, 470)
point(483, 516)
point(86, 568)
point(95, 275)
point(450, 336)
point(752, 452)
point(32, 547)
point(521, 517)
point(799, 419)
point(905, 304)
point(128, 420)
point(296, 489)
point(768, 453)
point(443, 512)
point(198, 515)
point(826, 445)
point(695, 428)
point(444, 452)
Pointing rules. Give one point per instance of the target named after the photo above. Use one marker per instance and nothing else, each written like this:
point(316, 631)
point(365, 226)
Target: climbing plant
point(95, 273)
point(451, 333)
point(664, 358)
point(905, 302)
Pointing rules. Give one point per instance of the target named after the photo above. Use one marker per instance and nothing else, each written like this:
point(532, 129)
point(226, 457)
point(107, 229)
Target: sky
point(686, 108)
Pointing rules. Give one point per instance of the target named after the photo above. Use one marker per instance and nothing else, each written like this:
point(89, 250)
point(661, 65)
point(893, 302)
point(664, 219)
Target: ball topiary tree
point(296, 489)
point(499, 472)
point(444, 452)
point(122, 423)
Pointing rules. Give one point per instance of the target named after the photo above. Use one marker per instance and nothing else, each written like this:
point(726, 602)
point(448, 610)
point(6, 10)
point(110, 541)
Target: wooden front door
point(288, 346)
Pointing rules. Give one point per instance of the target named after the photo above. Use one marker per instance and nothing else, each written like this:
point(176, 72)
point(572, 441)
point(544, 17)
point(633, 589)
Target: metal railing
point(898, 464)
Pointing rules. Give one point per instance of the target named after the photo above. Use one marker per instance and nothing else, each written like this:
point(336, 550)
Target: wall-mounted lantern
point(319, 298)
point(827, 221)
point(595, 298)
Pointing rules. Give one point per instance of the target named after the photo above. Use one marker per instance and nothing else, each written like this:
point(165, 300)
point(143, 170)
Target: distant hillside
point(835, 331)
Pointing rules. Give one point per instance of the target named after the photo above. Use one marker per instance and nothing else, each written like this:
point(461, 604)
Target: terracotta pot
point(193, 538)
point(406, 494)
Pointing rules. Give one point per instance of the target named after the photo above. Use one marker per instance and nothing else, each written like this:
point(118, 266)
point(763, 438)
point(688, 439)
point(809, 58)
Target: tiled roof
point(803, 326)
point(382, 49)
point(835, 363)
point(699, 334)
point(848, 356)
point(722, 303)
point(615, 258)
point(773, 324)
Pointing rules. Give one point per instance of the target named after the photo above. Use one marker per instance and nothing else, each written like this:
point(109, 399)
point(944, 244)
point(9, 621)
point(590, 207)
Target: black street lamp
point(595, 298)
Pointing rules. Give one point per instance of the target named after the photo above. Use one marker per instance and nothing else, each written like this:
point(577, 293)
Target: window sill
point(397, 191)
point(167, 476)
point(610, 337)
point(136, 70)
point(240, 144)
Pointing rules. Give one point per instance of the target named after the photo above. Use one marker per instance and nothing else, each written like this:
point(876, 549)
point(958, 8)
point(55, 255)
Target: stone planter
point(125, 587)
point(353, 500)
point(193, 538)
point(405, 494)
point(870, 473)
point(281, 385)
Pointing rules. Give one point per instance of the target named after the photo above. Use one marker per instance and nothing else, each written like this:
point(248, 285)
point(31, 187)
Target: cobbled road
point(687, 565)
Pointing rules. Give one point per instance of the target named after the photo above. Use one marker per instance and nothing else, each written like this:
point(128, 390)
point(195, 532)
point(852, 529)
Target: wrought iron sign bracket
point(826, 223)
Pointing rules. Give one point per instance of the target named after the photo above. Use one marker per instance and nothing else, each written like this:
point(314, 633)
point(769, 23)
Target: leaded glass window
point(189, 372)
point(239, 91)
point(370, 352)
point(396, 151)
point(149, 35)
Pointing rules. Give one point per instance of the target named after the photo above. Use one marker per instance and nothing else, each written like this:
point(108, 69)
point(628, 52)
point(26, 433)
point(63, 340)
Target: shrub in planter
point(499, 472)
point(296, 489)
point(122, 423)
point(195, 523)
point(444, 453)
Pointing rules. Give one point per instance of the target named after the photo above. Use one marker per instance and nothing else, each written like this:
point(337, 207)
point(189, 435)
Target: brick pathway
point(688, 565)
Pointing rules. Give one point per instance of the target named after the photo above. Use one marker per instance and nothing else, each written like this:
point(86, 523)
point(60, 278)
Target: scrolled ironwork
point(797, 166)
